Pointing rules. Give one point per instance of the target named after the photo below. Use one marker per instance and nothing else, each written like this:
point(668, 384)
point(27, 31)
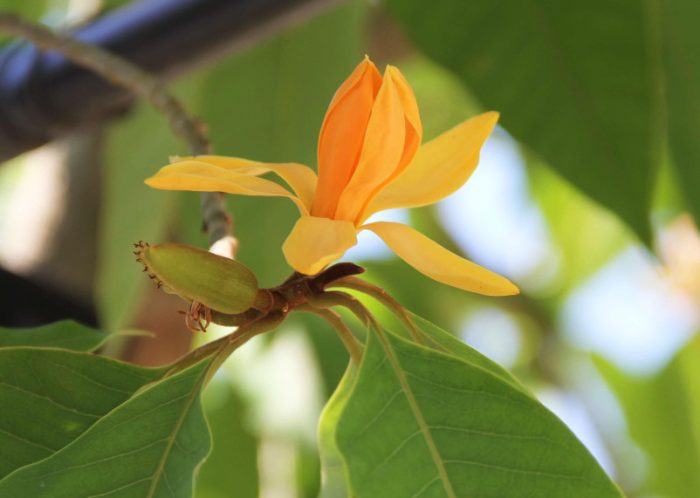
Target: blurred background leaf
point(662, 412)
point(573, 82)
point(232, 463)
point(681, 57)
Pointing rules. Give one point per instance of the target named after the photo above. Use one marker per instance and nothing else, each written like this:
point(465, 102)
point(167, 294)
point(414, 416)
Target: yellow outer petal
point(440, 167)
point(433, 260)
point(315, 242)
point(203, 177)
point(299, 177)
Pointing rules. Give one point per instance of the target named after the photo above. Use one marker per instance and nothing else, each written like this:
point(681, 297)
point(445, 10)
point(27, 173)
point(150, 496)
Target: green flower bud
point(197, 275)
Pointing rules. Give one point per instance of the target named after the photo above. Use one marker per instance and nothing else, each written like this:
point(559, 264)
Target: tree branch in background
point(142, 84)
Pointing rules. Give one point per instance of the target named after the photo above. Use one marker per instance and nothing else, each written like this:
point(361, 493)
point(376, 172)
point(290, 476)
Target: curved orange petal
point(382, 150)
point(315, 242)
point(299, 177)
point(204, 177)
point(433, 260)
point(440, 167)
point(342, 134)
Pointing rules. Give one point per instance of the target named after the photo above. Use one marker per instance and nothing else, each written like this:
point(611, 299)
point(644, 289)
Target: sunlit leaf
point(334, 482)
point(65, 334)
point(663, 416)
point(572, 81)
point(447, 343)
point(423, 423)
point(51, 396)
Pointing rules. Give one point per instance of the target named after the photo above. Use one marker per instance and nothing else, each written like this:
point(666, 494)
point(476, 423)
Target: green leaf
point(51, 396)
point(334, 482)
point(681, 56)
point(146, 447)
point(573, 81)
point(65, 334)
point(423, 423)
point(445, 342)
point(663, 416)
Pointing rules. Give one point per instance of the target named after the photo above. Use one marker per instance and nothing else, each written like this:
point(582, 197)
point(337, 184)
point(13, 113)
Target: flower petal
point(315, 242)
point(342, 134)
point(382, 151)
point(299, 177)
point(440, 167)
point(433, 260)
point(204, 177)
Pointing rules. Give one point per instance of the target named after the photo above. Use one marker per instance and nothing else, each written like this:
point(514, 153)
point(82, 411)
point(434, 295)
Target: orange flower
point(370, 158)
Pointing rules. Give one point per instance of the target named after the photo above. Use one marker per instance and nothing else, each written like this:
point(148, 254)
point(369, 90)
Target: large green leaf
point(65, 334)
point(573, 81)
point(447, 343)
point(147, 447)
point(681, 55)
point(423, 423)
point(334, 482)
point(663, 416)
point(51, 396)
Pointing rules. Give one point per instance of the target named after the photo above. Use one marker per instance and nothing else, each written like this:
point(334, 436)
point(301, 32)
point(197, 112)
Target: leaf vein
point(28, 441)
point(50, 400)
point(120, 488)
point(553, 475)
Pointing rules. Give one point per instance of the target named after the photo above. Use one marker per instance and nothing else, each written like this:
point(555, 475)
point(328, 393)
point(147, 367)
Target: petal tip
point(492, 116)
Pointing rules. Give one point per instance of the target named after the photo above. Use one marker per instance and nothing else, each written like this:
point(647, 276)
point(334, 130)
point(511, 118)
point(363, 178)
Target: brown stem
point(142, 84)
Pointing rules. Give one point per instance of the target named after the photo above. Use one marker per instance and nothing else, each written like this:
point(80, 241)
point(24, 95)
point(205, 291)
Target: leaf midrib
point(417, 414)
point(160, 469)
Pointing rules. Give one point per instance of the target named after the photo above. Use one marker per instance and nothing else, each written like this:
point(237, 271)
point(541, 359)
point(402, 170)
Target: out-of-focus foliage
point(233, 461)
point(663, 412)
point(130, 210)
point(681, 59)
point(580, 84)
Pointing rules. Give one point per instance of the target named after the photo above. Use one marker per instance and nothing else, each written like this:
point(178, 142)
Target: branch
point(127, 75)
